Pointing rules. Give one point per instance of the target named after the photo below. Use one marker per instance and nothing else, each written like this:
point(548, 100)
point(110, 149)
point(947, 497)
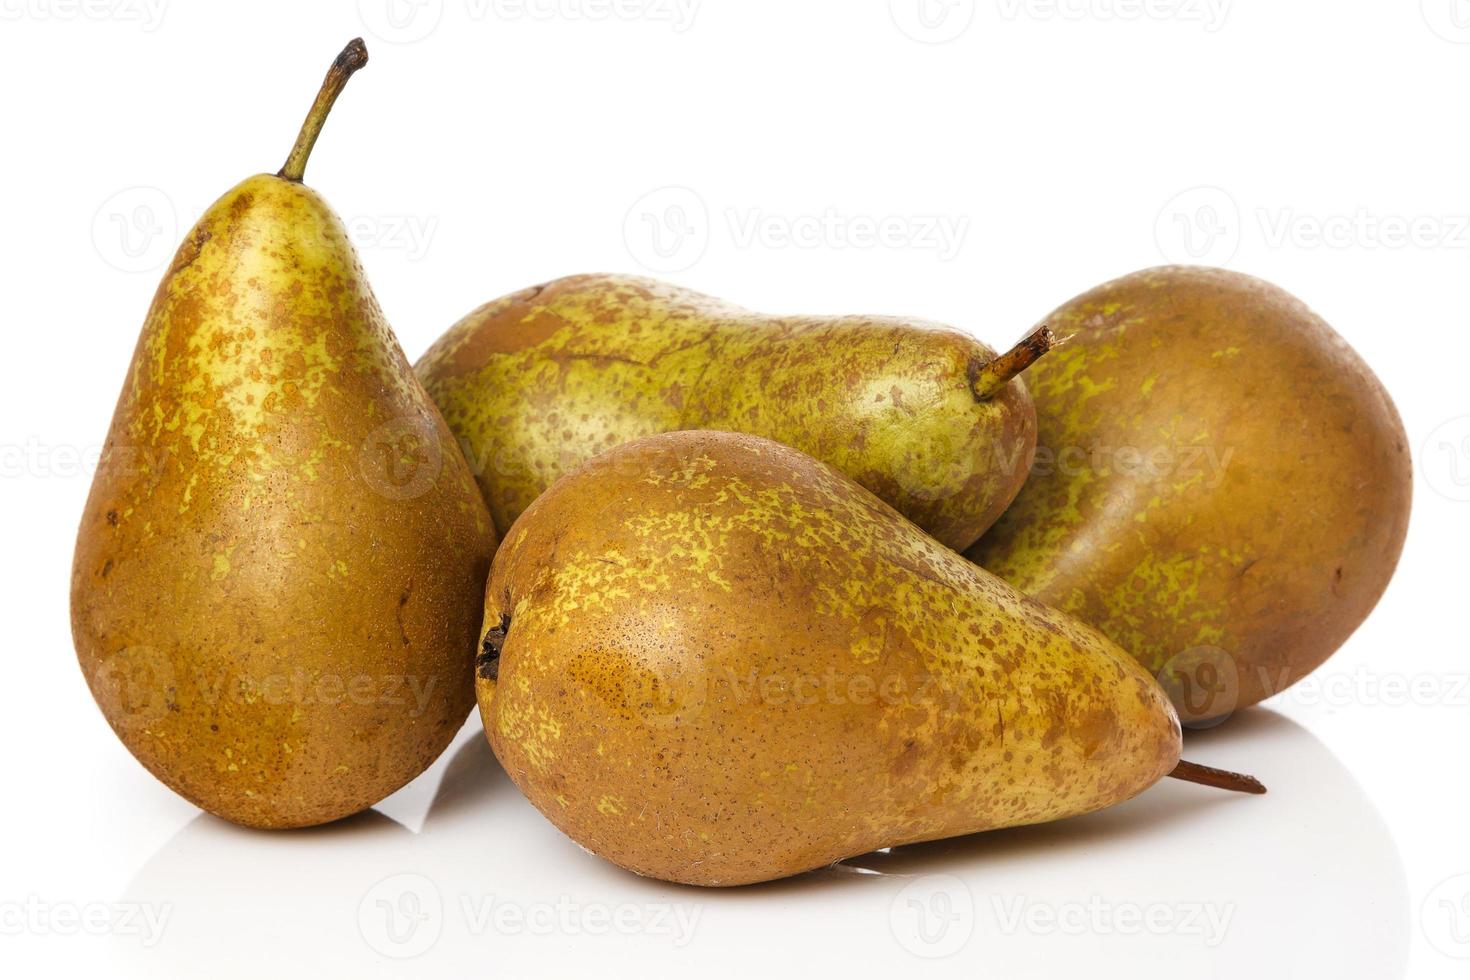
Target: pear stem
point(353, 57)
point(1193, 772)
point(987, 381)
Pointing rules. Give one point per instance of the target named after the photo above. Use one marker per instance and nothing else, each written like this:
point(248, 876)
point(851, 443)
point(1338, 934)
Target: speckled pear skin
point(712, 659)
point(275, 610)
point(538, 382)
point(1272, 514)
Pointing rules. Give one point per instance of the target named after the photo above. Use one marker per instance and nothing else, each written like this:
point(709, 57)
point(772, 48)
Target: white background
point(489, 146)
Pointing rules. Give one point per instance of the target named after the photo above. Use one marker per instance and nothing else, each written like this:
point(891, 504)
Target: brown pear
point(712, 659)
point(1222, 485)
point(276, 588)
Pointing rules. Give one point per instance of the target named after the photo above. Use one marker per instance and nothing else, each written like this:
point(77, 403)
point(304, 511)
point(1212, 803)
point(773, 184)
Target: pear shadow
point(473, 781)
point(344, 897)
point(1155, 810)
point(1272, 865)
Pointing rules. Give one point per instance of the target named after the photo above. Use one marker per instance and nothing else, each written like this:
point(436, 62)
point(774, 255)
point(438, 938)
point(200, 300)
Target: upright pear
point(276, 587)
point(929, 419)
point(1223, 485)
point(712, 659)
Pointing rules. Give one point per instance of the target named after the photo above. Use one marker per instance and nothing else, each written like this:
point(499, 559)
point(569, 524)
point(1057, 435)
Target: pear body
point(712, 659)
point(1223, 486)
point(538, 382)
point(275, 592)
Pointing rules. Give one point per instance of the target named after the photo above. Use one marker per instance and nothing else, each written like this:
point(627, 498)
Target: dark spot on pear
point(487, 664)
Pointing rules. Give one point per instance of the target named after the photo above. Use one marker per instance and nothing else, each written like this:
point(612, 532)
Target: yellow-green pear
point(928, 418)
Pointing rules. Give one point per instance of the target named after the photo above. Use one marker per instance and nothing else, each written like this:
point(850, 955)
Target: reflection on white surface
point(1183, 880)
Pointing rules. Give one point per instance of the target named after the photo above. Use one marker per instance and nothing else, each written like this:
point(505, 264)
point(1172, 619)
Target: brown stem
point(1193, 772)
point(987, 381)
point(353, 57)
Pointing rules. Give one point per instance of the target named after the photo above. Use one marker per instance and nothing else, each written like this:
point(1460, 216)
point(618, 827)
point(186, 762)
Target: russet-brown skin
point(712, 659)
point(275, 595)
point(1263, 504)
point(538, 382)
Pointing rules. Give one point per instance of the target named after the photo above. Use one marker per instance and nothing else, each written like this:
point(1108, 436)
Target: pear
point(275, 594)
point(1223, 486)
point(540, 381)
point(712, 659)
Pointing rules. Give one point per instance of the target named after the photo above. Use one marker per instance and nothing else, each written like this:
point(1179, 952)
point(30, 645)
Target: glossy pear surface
point(1222, 486)
point(538, 382)
point(712, 659)
point(275, 594)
